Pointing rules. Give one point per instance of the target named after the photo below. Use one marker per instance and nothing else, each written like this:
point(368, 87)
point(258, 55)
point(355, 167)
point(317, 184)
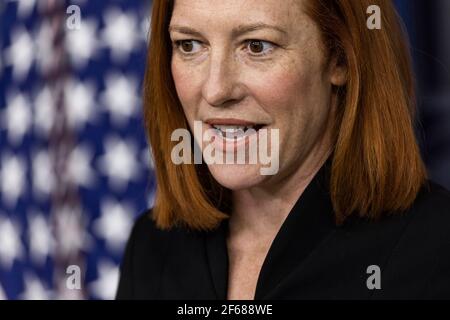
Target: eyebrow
point(237, 31)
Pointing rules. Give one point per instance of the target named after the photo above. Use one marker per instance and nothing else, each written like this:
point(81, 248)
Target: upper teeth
point(231, 129)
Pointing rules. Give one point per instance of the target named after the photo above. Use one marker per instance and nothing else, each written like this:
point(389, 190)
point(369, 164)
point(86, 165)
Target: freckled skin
point(290, 88)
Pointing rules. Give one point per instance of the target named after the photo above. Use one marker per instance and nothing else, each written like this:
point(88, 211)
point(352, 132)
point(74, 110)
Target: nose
point(221, 85)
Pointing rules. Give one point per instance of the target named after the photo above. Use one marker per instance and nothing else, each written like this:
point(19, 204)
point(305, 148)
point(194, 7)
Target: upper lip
point(231, 122)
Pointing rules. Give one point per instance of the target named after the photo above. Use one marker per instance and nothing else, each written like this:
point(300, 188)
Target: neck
point(261, 210)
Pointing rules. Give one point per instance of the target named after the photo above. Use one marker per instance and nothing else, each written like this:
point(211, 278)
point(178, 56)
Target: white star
point(44, 111)
point(79, 168)
point(10, 245)
point(120, 98)
point(70, 233)
point(115, 224)
point(40, 237)
point(45, 54)
point(25, 7)
point(12, 178)
point(20, 54)
point(121, 33)
point(79, 103)
point(35, 289)
point(82, 43)
point(119, 162)
point(105, 286)
point(43, 174)
point(16, 117)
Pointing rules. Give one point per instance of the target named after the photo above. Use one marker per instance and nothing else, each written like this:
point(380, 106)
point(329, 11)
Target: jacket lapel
point(309, 223)
point(217, 255)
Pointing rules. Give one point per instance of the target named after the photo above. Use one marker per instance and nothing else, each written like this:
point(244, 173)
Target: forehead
point(284, 13)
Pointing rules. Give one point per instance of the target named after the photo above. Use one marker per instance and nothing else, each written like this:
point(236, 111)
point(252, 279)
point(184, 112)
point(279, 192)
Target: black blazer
point(310, 258)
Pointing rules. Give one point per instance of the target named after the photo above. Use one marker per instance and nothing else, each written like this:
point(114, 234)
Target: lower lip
point(229, 145)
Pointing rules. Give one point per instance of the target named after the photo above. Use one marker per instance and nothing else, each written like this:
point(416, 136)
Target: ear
point(338, 72)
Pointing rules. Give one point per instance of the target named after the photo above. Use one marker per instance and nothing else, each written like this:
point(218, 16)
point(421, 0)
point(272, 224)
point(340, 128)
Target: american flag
point(75, 168)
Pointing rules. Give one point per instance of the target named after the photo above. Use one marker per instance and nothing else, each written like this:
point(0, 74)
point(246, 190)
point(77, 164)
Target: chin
point(237, 177)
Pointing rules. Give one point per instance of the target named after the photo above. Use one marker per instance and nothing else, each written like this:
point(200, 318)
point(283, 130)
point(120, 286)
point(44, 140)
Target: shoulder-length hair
point(376, 167)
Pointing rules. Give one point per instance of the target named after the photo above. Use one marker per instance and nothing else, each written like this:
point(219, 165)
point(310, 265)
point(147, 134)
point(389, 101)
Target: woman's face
point(257, 63)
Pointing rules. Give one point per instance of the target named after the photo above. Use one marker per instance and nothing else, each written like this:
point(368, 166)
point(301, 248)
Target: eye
point(187, 46)
point(260, 47)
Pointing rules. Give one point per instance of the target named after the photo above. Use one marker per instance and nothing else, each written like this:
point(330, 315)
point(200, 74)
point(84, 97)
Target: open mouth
point(236, 132)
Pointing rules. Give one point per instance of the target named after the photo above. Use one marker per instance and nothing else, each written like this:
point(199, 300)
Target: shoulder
point(425, 243)
point(145, 233)
point(148, 241)
point(432, 208)
point(429, 216)
point(146, 238)
point(411, 248)
point(145, 243)
point(433, 197)
point(147, 251)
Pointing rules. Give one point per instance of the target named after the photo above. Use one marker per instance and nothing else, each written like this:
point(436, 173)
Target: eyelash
point(178, 44)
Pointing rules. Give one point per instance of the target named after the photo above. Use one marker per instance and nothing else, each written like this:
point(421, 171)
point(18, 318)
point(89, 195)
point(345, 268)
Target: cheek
point(284, 93)
point(185, 86)
point(181, 80)
point(296, 99)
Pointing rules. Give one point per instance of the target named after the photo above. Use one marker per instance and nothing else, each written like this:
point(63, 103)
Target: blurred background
point(75, 169)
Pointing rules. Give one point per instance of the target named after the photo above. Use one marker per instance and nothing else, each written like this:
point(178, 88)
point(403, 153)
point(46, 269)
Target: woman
point(348, 212)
